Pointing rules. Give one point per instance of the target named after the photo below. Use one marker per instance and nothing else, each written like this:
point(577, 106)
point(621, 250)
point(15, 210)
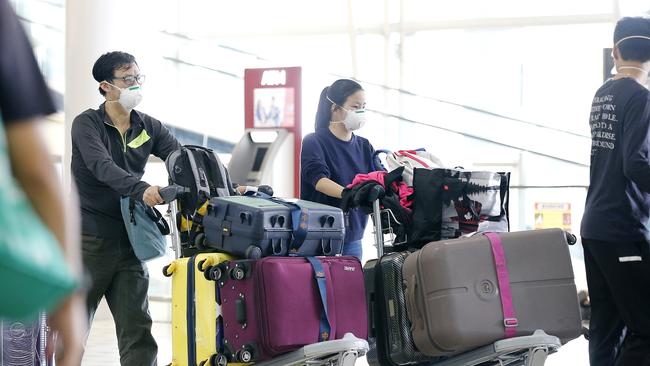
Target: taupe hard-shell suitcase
point(454, 298)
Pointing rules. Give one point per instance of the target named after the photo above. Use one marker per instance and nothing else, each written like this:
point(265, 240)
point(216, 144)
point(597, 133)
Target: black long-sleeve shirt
point(107, 165)
point(618, 200)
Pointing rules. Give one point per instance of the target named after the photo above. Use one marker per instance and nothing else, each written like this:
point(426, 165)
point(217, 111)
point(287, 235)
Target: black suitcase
point(389, 327)
point(256, 227)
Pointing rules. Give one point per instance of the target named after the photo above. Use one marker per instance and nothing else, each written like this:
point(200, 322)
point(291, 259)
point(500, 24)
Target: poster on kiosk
point(269, 151)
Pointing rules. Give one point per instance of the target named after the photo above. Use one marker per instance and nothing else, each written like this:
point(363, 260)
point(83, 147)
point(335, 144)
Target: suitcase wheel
point(168, 270)
point(245, 354)
point(253, 252)
point(206, 273)
point(200, 265)
point(203, 267)
point(237, 273)
point(218, 359)
point(214, 273)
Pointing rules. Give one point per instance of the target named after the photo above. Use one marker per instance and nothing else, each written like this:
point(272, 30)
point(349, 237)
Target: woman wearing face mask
point(333, 155)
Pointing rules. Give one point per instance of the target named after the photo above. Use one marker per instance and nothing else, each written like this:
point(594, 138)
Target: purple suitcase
point(274, 305)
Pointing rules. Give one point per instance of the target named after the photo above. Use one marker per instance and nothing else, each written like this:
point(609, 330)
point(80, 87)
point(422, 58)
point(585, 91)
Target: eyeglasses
point(131, 80)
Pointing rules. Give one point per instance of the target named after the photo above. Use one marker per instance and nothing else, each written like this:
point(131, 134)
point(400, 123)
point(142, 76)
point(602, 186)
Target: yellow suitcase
point(194, 310)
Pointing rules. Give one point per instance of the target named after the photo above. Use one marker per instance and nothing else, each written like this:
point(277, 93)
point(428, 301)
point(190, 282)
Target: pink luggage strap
point(510, 321)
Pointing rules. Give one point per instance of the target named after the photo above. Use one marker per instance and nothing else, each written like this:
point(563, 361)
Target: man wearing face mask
point(110, 148)
point(333, 155)
point(615, 238)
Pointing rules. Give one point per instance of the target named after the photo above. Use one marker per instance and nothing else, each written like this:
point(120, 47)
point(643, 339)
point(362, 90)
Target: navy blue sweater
point(325, 156)
point(618, 200)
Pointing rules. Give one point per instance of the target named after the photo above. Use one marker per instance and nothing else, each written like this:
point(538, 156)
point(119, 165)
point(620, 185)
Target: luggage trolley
point(529, 350)
point(339, 352)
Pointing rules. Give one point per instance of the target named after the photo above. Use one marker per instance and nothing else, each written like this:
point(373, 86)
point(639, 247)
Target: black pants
point(618, 277)
point(120, 277)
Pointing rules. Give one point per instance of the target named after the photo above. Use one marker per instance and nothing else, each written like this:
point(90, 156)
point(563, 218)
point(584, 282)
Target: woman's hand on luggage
point(70, 322)
point(152, 196)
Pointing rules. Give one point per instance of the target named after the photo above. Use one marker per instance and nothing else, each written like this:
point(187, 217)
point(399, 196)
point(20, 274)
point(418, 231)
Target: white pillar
point(94, 27)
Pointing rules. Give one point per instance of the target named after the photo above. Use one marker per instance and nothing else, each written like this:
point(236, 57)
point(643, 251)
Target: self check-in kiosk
point(269, 151)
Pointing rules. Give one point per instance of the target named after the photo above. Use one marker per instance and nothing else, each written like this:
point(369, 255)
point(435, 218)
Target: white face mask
point(130, 96)
point(354, 119)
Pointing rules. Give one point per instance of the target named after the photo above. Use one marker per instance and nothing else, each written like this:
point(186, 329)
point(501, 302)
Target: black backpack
point(201, 173)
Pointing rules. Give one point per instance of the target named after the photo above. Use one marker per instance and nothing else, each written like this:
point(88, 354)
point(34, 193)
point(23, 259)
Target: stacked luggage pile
point(461, 289)
point(260, 279)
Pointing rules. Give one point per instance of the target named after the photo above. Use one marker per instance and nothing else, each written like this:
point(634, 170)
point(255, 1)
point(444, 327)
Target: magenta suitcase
point(275, 305)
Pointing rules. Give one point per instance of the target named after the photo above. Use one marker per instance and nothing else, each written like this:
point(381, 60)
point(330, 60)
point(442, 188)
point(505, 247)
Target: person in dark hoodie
point(333, 155)
point(110, 148)
point(615, 239)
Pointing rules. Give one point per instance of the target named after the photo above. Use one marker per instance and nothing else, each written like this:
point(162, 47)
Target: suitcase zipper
point(191, 312)
point(262, 310)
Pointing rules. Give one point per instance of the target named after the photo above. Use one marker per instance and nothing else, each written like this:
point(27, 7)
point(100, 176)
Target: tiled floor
point(101, 349)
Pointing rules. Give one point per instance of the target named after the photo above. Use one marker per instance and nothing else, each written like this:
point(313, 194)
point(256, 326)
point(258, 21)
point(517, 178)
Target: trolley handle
point(172, 192)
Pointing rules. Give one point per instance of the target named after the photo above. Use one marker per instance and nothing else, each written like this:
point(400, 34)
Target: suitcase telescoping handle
point(376, 213)
point(172, 192)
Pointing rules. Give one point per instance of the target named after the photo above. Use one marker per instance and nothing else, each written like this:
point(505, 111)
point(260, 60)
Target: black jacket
point(107, 166)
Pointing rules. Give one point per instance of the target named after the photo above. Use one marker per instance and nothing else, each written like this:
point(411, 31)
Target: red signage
point(272, 100)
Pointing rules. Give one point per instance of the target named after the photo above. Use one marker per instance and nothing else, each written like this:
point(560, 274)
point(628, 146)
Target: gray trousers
point(119, 276)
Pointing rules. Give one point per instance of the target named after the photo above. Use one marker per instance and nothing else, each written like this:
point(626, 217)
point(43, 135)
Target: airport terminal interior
point(499, 86)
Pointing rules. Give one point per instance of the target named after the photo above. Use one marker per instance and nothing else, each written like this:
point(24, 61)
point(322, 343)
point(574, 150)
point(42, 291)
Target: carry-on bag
point(145, 227)
point(256, 227)
point(449, 203)
point(410, 160)
point(194, 309)
point(469, 292)
point(201, 175)
point(278, 304)
point(389, 328)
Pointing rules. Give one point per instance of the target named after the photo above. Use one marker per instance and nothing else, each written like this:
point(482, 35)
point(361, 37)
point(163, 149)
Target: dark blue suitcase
point(255, 227)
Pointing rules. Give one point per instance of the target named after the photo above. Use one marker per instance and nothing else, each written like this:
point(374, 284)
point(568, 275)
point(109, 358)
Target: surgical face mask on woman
point(130, 96)
point(354, 119)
